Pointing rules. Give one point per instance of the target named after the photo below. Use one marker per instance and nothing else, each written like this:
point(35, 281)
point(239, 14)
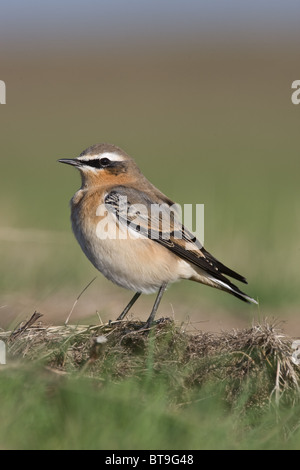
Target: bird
point(116, 227)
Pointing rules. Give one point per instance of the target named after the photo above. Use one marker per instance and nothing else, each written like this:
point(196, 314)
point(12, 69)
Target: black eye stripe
point(97, 163)
point(113, 167)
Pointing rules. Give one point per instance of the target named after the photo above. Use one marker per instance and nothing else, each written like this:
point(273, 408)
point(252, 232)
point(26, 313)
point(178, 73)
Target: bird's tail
point(232, 289)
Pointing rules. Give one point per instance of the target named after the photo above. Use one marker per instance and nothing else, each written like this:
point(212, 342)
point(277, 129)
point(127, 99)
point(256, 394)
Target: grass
point(164, 390)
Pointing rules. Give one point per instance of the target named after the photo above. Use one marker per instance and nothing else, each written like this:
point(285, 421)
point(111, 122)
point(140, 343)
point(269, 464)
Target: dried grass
point(257, 360)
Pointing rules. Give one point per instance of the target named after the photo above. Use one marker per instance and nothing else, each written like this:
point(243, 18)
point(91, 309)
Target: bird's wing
point(158, 221)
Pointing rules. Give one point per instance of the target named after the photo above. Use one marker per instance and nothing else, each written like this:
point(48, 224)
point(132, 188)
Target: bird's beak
point(70, 161)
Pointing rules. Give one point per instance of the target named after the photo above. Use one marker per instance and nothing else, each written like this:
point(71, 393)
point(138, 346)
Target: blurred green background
point(209, 119)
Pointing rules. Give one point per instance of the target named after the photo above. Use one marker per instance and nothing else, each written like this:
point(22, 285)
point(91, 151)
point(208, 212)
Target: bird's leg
point(155, 306)
point(128, 307)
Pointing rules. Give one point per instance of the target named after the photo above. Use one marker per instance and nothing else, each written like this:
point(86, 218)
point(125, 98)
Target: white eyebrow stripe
point(112, 156)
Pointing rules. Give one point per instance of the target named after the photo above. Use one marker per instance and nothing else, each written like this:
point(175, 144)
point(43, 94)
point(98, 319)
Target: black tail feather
point(224, 269)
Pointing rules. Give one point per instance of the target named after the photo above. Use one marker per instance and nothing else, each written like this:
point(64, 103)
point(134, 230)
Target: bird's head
point(104, 164)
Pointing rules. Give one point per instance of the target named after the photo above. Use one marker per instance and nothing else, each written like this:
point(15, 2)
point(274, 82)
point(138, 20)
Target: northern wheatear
point(113, 221)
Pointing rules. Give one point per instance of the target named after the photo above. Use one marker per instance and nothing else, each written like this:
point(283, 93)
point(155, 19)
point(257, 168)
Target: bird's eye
point(104, 161)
